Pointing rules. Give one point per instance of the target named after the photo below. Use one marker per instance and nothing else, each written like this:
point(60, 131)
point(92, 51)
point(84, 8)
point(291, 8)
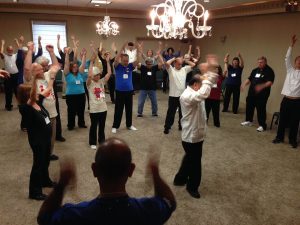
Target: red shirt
point(215, 92)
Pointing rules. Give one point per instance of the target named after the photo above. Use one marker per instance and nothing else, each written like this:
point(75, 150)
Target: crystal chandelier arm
point(200, 35)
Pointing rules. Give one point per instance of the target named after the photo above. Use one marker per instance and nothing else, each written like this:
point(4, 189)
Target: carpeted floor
point(246, 179)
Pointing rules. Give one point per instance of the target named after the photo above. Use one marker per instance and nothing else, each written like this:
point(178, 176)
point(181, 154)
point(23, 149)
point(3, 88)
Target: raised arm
point(83, 61)
point(52, 72)
point(58, 43)
point(190, 63)
point(67, 61)
point(139, 52)
point(226, 59)
point(160, 60)
point(241, 60)
point(288, 57)
point(2, 49)
point(109, 72)
point(118, 56)
point(50, 49)
point(28, 62)
point(169, 62)
point(55, 198)
point(198, 53)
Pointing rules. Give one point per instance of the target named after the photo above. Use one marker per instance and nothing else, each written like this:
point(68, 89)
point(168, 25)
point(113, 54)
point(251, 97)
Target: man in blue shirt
point(113, 206)
point(124, 89)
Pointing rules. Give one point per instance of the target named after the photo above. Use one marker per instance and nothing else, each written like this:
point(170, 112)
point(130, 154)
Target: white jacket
point(193, 120)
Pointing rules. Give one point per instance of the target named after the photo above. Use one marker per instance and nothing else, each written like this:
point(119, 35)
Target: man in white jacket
point(193, 124)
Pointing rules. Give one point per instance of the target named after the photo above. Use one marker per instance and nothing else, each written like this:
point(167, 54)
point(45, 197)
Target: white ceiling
point(133, 4)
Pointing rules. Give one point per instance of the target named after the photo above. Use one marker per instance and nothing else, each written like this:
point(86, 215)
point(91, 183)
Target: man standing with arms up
point(194, 125)
point(177, 77)
point(124, 90)
point(261, 79)
point(112, 168)
point(290, 105)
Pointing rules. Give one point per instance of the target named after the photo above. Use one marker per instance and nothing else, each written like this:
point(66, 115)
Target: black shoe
point(49, 184)
point(277, 141)
point(166, 131)
point(294, 144)
point(224, 110)
point(8, 108)
point(82, 126)
point(194, 194)
point(139, 115)
point(70, 128)
point(53, 157)
point(39, 197)
point(154, 115)
point(61, 139)
point(217, 125)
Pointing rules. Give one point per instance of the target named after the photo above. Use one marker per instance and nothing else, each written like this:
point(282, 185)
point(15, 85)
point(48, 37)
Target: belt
point(293, 98)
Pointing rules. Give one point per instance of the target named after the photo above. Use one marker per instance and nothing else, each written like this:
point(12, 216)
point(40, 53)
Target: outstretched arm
point(118, 56)
point(288, 57)
point(83, 61)
point(67, 61)
point(241, 60)
point(226, 59)
point(28, 62)
point(2, 49)
point(54, 200)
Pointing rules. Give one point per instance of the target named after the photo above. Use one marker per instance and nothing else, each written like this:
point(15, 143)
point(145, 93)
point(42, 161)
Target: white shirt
point(193, 120)
point(49, 101)
point(177, 80)
point(97, 96)
point(291, 86)
point(132, 55)
point(10, 63)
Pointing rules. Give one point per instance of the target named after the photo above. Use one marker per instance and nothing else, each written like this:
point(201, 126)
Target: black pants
point(123, 98)
point(289, 117)
point(214, 106)
point(87, 94)
point(97, 119)
point(39, 172)
point(190, 169)
point(235, 90)
point(76, 106)
point(10, 87)
point(111, 87)
point(165, 80)
point(173, 105)
point(260, 104)
point(58, 120)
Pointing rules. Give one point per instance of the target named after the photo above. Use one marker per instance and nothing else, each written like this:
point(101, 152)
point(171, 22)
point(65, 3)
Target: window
point(49, 30)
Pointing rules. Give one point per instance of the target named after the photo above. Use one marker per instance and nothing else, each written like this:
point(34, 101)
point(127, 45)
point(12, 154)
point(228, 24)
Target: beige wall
point(253, 36)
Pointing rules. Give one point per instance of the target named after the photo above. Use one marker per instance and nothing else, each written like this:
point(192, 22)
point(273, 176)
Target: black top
point(37, 124)
point(104, 65)
point(260, 76)
point(148, 77)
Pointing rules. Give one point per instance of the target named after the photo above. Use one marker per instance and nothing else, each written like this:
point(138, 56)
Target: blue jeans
point(142, 99)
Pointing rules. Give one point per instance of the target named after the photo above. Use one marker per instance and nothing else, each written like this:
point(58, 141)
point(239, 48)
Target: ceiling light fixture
point(107, 27)
point(174, 17)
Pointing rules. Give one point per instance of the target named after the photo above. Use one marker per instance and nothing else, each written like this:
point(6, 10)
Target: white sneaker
point(260, 129)
point(131, 128)
point(114, 130)
point(94, 147)
point(246, 123)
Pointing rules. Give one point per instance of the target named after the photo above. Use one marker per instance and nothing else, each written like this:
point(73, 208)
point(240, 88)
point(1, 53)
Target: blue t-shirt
point(112, 211)
point(124, 77)
point(75, 83)
point(234, 75)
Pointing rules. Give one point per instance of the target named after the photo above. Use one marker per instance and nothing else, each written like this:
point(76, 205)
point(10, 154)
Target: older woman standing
point(38, 125)
point(75, 93)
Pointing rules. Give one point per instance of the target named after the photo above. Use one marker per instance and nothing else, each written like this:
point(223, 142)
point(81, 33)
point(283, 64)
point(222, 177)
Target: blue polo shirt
point(112, 211)
point(124, 77)
point(234, 75)
point(75, 83)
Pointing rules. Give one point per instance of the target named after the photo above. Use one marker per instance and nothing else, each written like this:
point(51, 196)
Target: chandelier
point(107, 27)
point(172, 19)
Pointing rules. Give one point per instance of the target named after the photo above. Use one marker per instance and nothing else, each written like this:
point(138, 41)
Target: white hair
point(42, 59)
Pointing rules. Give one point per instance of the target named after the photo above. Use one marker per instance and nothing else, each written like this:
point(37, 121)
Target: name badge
point(86, 70)
point(233, 75)
point(215, 86)
point(47, 120)
point(149, 73)
point(102, 95)
point(125, 76)
point(77, 81)
point(257, 75)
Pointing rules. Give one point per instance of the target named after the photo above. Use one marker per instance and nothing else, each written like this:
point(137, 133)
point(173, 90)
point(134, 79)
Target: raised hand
point(113, 47)
point(77, 43)
point(21, 39)
point(50, 48)
point(226, 58)
point(72, 37)
point(83, 52)
point(67, 50)
point(58, 37)
point(3, 42)
point(30, 46)
point(294, 40)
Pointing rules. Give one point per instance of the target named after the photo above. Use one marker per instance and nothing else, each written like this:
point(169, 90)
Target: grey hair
point(42, 59)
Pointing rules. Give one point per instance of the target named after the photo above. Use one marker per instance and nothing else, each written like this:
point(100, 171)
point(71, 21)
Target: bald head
point(113, 160)
point(10, 50)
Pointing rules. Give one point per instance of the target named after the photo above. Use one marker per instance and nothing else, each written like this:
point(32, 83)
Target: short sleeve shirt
point(148, 77)
point(234, 75)
point(260, 76)
point(10, 63)
point(75, 84)
point(177, 80)
point(112, 211)
point(97, 96)
point(124, 77)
